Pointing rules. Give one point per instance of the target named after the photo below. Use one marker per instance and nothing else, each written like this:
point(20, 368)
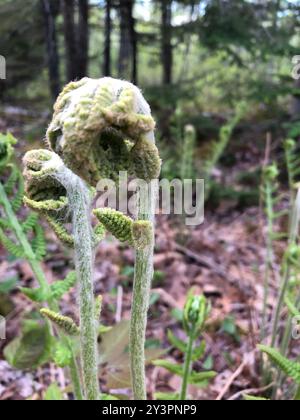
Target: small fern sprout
point(195, 314)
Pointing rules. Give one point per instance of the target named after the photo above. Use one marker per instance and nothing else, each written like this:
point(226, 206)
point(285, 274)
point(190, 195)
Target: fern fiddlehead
point(99, 128)
point(58, 193)
point(25, 239)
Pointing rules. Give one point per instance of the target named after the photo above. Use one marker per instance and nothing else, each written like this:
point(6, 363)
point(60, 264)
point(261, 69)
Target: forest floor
point(222, 258)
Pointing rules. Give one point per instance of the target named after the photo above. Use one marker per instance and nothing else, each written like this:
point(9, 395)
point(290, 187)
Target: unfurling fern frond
point(59, 288)
point(14, 249)
point(61, 232)
point(30, 222)
point(119, 225)
point(39, 243)
point(136, 233)
point(64, 322)
point(290, 368)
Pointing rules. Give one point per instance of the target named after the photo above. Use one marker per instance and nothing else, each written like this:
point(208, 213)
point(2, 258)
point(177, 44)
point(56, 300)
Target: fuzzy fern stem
point(141, 293)
point(80, 201)
point(287, 267)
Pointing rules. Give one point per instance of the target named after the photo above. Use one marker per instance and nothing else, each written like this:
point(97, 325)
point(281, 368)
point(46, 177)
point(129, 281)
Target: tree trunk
point(70, 39)
point(134, 40)
point(50, 10)
point(166, 41)
point(107, 42)
point(83, 38)
point(128, 44)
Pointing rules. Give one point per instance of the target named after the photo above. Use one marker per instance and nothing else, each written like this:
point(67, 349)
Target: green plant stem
point(269, 211)
point(29, 253)
point(84, 262)
point(283, 289)
point(187, 366)
point(294, 225)
point(39, 275)
point(74, 373)
point(140, 298)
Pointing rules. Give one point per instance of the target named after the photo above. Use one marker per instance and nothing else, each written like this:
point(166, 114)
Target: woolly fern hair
point(104, 126)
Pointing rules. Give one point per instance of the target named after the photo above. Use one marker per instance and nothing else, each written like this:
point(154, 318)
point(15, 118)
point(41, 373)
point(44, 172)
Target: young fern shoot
point(55, 191)
point(100, 128)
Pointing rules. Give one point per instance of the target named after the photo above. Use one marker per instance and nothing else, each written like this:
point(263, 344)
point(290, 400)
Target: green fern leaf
point(291, 307)
point(36, 295)
point(290, 368)
point(39, 243)
point(12, 180)
point(171, 367)
point(59, 288)
point(199, 352)
point(17, 202)
point(176, 342)
point(30, 222)
point(11, 247)
point(5, 224)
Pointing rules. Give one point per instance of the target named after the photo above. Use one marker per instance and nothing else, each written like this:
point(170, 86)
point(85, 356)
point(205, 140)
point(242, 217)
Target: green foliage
point(39, 242)
point(14, 249)
point(290, 368)
point(62, 354)
point(292, 162)
point(195, 314)
point(216, 149)
point(59, 288)
point(166, 396)
point(32, 348)
point(252, 398)
point(53, 393)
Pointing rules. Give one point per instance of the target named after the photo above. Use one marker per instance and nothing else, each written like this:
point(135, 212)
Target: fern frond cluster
point(92, 123)
point(45, 194)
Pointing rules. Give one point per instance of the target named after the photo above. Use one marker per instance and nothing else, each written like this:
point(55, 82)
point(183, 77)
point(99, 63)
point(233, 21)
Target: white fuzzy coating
point(116, 86)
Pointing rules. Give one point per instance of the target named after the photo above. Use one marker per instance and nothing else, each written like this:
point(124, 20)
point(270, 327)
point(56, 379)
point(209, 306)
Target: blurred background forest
point(223, 67)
